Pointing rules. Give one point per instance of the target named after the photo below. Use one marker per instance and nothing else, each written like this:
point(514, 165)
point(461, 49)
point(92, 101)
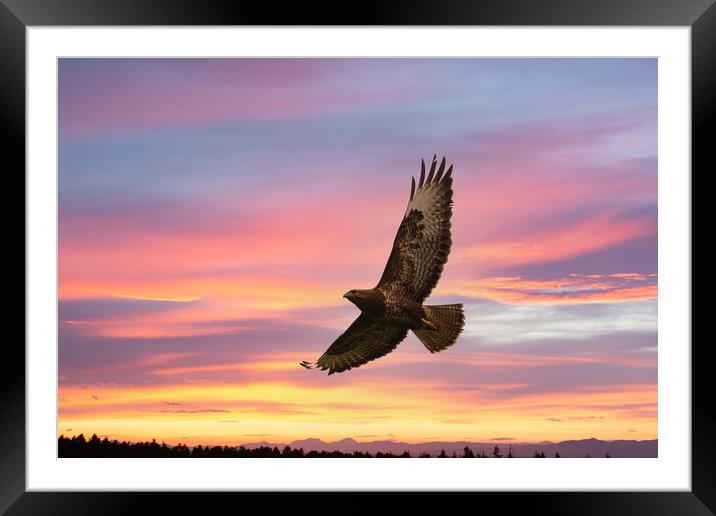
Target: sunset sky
point(212, 212)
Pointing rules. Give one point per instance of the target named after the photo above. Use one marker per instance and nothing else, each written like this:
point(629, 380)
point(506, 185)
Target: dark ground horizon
point(79, 446)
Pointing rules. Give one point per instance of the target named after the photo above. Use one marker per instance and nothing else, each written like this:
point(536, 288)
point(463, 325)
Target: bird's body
point(395, 305)
point(390, 304)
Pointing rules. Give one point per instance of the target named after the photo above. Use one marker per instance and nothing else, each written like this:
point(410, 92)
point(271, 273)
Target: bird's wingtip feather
point(441, 170)
point(429, 180)
point(448, 174)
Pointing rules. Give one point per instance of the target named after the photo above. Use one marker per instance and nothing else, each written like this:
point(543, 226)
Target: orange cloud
point(233, 298)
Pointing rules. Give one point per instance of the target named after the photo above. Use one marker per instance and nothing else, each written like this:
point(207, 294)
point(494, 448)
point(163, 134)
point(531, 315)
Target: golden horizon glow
point(139, 414)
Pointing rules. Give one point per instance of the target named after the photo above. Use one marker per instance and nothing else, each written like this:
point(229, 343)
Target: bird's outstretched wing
point(422, 244)
point(368, 338)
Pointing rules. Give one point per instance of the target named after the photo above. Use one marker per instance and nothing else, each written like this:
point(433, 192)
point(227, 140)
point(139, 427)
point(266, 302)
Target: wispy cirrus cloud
point(575, 288)
point(147, 94)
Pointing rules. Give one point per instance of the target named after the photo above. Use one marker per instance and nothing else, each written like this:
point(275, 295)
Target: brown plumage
point(395, 305)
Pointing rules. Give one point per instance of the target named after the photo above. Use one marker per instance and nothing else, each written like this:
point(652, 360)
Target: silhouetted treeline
point(79, 446)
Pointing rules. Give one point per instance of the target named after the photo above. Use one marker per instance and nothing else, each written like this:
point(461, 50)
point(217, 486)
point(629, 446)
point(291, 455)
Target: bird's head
point(357, 297)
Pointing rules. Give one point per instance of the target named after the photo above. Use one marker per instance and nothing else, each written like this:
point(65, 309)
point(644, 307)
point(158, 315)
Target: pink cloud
point(575, 288)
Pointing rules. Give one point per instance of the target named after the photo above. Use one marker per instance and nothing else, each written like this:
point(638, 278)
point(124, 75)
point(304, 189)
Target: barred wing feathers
point(368, 338)
point(423, 241)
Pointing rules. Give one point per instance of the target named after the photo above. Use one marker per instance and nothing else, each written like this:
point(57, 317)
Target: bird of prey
point(395, 305)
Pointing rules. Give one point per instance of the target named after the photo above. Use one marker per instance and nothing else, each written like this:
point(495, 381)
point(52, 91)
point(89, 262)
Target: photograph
point(379, 257)
point(411, 233)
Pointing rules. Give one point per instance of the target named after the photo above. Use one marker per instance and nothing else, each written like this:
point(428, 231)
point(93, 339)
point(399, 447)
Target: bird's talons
point(428, 323)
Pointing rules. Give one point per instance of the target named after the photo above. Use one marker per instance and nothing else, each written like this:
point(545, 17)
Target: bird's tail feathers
point(449, 320)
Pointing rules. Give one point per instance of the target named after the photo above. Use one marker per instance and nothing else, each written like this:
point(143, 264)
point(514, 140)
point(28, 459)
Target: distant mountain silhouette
point(573, 448)
point(78, 446)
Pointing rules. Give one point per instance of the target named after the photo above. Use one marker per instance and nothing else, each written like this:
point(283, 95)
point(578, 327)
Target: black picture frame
point(17, 15)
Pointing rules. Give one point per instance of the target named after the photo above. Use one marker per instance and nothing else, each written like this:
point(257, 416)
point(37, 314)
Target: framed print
point(208, 208)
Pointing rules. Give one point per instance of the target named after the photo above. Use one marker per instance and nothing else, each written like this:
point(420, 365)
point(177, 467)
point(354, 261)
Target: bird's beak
point(346, 295)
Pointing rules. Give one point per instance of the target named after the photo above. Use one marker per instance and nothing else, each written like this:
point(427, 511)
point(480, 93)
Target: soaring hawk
point(395, 305)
